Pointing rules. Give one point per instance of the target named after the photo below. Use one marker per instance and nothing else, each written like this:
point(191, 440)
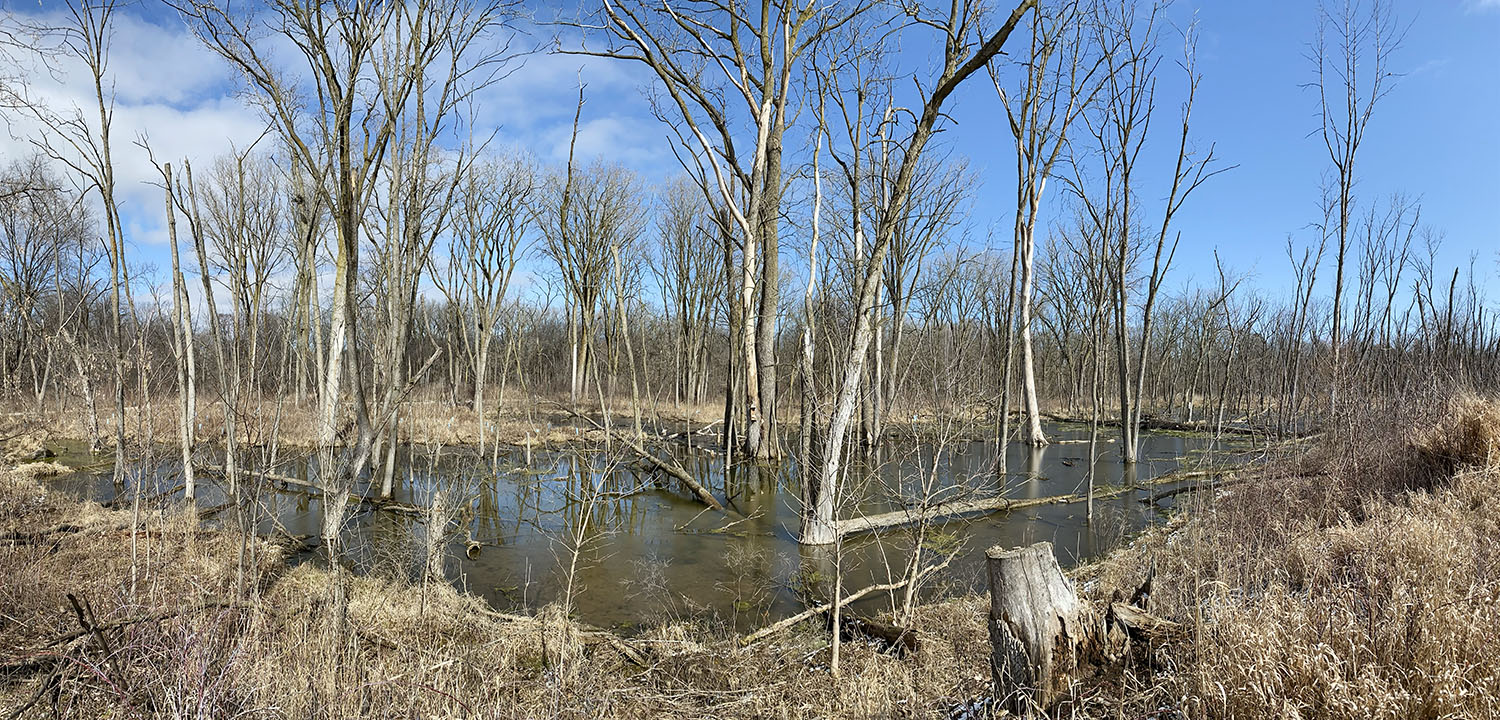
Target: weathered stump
point(1039, 628)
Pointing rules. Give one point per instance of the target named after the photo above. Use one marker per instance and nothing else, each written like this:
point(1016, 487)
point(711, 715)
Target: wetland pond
point(650, 553)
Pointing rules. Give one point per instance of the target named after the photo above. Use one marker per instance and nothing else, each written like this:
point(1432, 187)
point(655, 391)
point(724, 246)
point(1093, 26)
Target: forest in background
point(811, 276)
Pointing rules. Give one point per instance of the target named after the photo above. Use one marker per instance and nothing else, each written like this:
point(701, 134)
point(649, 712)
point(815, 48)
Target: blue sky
point(1433, 137)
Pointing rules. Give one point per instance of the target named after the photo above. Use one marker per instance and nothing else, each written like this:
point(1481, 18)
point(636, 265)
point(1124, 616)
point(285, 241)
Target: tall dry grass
point(1360, 580)
point(1356, 579)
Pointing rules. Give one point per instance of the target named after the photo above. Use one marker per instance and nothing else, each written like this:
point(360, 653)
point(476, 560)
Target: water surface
point(650, 553)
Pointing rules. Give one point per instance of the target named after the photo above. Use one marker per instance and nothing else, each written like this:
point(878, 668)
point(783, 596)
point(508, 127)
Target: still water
point(649, 553)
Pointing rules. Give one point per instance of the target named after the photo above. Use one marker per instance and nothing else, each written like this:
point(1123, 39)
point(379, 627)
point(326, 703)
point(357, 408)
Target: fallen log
point(1141, 625)
point(827, 607)
point(899, 641)
point(1157, 423)
point(629, 650)
point(956, 508)
point(311, 488)
point(667, 466)
point(1161, 495)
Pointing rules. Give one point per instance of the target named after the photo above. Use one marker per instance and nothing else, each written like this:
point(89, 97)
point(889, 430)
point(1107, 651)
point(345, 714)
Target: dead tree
point(1128, 37)
point(686, 268)
point(489, 236)
point(1057, 82)
point(719, 63)
point(965, 51)
point(341, 140)
point(182, 345)
point(1352, 56)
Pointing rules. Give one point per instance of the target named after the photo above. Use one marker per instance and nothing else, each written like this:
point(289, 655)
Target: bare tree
point(686, 269)
point(583, 215)
point(963, 55)
point(1352, 54)
point(183, 350)
point(339, 128)
point(71, 138)
point(718, 62)
point(489, 236)
point(1129, 38)
point(1057, 82)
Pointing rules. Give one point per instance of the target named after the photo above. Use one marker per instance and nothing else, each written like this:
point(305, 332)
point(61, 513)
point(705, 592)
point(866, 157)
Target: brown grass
point(540, 422)
point(204, 644)
point(1359, 582)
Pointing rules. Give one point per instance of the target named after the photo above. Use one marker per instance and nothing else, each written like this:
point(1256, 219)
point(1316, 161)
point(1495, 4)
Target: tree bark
point(1038, 627)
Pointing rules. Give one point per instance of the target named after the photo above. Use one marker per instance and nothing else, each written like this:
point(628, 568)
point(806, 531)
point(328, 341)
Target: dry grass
point(540, 422)
point(1360, 582)
point(185, 635)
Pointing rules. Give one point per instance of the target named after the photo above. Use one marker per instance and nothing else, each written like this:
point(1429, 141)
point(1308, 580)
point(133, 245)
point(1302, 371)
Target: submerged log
point(664, 465)
point(1151, 422)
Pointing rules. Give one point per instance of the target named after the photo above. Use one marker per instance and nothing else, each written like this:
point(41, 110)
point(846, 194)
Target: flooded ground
point(649, 553)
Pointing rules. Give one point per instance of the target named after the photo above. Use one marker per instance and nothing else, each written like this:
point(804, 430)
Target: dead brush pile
point(1362, 583)
point(175, 619)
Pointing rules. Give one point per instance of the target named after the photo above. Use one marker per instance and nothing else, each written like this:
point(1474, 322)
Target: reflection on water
point(649, 553)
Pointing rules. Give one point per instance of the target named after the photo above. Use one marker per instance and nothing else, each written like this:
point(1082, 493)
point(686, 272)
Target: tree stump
point(1038, 626)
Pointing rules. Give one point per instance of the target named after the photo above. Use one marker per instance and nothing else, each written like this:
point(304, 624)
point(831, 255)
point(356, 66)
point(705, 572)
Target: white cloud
point(534, 107)
point(183, 99)
point(166, 89)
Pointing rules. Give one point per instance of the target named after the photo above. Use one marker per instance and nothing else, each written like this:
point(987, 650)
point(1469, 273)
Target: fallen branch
point(667, 466)
point(311, 488)
point(1174, 492)
point(1157, 423)
point(154, 617)
point(783, 624)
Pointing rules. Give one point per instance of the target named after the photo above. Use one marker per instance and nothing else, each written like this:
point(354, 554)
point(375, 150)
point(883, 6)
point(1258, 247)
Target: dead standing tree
point(966, 49)
point(1128, 37)
point(183, 351)
point(719, 62)
point(83, 146)
point(338, 127)
point(488, 238)
point(1352, 54)
point(1058, 81)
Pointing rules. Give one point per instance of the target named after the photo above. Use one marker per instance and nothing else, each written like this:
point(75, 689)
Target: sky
point(1433, 138)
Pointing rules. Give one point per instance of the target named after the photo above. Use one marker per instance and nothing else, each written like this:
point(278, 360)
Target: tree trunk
point(1034, 435)
point(1038, 627)
point(183, 345)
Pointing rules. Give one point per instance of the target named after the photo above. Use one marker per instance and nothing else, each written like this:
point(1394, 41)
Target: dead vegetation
point(1359, 579)
point(167, 629)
